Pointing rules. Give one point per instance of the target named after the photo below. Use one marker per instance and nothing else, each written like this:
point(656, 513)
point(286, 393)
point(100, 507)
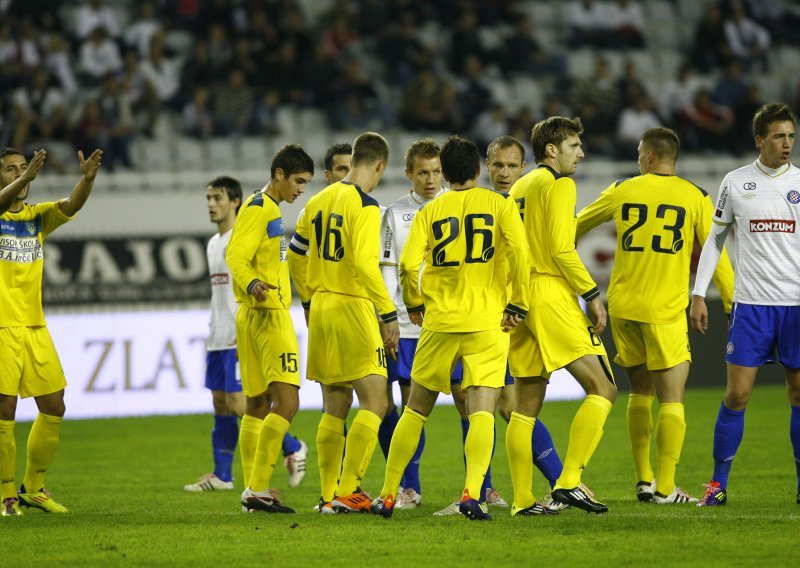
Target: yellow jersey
point(257, 251)
point(464, 284)
point(657, 218)
point(340, 231)
point(547, 202)
point(22, 236)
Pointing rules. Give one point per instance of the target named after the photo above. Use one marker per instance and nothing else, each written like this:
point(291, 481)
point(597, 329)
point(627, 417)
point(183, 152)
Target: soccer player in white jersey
point(224, 197)
point(762, 202)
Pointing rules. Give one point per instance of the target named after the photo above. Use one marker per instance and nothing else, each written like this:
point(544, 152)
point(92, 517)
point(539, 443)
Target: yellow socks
point(330, 445)
point(8, 459)
point(670, 433)
point(42, 444)
point(640, 429)
point(249, 430)
point(584, 435)
point(270, 439)
point(361, 441)
point(404, 443)
point(478, 451)
point(520, 458)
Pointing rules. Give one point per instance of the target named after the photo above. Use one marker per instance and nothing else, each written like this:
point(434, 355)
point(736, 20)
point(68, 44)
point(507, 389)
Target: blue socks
point(545, 456)
point(386, 431)
point(794, 435)
point(728, 433)
point(290, 445)
point(223, 443)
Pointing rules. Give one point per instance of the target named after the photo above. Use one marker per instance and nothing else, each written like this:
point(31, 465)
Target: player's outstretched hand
point(260, 289)
point(35, 165)
point(699, 314)
point(600, 315)
point(90, 166)
point(390, 333)
point(510, 321)
point(417, 318)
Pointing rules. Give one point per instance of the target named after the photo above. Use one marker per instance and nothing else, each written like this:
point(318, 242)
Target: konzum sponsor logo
point(772, 226)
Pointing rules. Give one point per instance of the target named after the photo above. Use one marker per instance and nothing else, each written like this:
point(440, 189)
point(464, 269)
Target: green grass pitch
point(123, 478)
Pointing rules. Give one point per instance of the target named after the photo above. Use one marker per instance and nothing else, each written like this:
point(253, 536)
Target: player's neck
point(771, 170)
point(363, 178)
point(273, 192)
point(469, 184)
point(662, 170)
point(225, 226)
point(16, 206)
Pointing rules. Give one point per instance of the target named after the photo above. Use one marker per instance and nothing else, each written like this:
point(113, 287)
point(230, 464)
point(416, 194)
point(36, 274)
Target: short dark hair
point(335, 150)
point(461, 159)
point(230, 185)
point(663, 142)
point(425, 148)
point(504, 142)
point(553, 130)
point(769, 113)
point(370, 147)
point(9, 151)
point(292, 159)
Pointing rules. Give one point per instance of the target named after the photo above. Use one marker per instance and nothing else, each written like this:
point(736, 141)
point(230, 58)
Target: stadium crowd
point(99, 73)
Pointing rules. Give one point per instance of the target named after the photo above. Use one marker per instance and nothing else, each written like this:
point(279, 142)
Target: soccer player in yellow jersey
point(657, 215)
point(348, 346)
point(557, 334)
point(29, 364)
point(461, 305)
point(267, 343)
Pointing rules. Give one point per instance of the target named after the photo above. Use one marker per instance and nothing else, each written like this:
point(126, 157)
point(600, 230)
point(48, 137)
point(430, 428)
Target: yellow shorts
point(29, 364)
point(555, 333)
point(268, 349)
point(344, 340)
point(483, 355)
point(659, 345)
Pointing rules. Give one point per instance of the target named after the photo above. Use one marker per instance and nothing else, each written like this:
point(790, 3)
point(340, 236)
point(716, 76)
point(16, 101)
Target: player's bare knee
point(8, 407)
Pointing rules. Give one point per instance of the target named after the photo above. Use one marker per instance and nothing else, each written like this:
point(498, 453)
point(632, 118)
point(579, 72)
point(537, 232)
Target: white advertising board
point(145, 363)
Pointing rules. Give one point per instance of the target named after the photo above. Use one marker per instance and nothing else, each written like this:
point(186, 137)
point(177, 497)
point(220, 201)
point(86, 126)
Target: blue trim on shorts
point(221, 371)
point(764, 334)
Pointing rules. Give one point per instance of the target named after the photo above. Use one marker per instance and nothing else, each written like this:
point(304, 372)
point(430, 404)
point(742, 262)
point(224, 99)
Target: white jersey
point(763, 205)
point(395, 225)
point(222, 327)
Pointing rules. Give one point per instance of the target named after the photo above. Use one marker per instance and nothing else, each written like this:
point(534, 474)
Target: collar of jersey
point(552, 171)
point(772, 172)
point(358, 187)
point(417, 199)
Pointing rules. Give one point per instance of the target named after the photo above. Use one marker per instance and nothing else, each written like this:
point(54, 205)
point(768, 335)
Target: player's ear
point(550, 150)
point(279, 174)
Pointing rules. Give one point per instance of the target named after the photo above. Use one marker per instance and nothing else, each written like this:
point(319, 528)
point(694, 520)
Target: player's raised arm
point(80, 193)
point(597, 213)
point(560, 211)
point(10, 192)
point(410, 263)
point(298, 259)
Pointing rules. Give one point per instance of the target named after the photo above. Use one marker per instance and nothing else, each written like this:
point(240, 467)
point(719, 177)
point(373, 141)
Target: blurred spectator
point(403, 51)
point(747, 41)
point(338, 37)
point(141, 93)
point(521, 52)
point(601, 90)
point(465, 42)
point(243, 59)
point(710, 46)
point(472, 92)
point(289, 76)
point(489, 125)
point(781, 20)
point(39, 111)
point(28, 46)
point(99, 56)
point(233, 106)
point(630, 78)
point(676, 95)
point(220, 51)
point(93, 14)
point(589, 23)
point(730, 89)
point(57, 60)
point(9, 64)
point(709, 125)
point(743, 115)
point(265, 114)
point(634, 119)
point(139, 33)
point(115, 110)
point(429, 104)
point(356, 103)
point(163, 73)
point(553, 105)
point(295, 30)
point(199, 70)
point(198, 120)
point(626, 24)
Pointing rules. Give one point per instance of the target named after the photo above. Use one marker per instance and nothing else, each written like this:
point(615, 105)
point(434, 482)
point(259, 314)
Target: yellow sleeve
point(52, 217)
point(518, 258)
point(410, 262)
point(298, 259)
point(366, 246)
point(723, 275)
point(560, 214)
point(247, 233)
point(599, 212)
